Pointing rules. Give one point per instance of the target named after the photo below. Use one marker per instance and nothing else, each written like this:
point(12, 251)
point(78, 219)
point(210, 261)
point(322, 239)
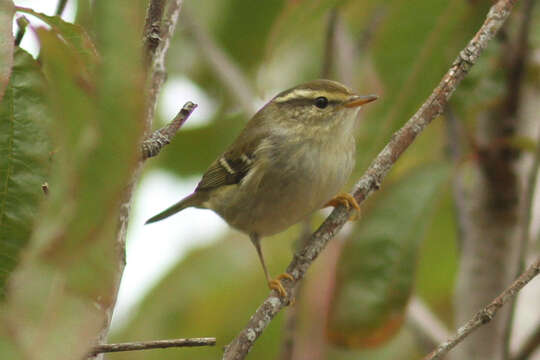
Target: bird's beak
point(359, 100)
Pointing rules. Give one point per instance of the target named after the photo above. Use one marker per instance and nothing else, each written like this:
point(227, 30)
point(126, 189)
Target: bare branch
point(156, 344)
point(159, 138)
point(155, 78)
point(372, 178)
point(485, 315)
point(156, 45)
point(152, 29)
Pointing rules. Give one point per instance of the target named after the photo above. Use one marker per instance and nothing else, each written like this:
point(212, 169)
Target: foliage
point(86, 103)
point(73, 118)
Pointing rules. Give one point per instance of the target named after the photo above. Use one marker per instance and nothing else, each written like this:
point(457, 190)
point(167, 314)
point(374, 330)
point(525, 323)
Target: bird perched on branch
point(291, 159)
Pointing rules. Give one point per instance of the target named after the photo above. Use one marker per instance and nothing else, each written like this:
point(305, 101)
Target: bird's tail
point(191, 200)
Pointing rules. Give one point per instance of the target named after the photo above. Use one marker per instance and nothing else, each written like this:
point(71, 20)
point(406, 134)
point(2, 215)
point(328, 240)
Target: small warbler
point(291, 159)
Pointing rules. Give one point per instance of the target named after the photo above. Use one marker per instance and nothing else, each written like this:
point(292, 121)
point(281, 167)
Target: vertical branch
point(156, 37)
point(493, 202)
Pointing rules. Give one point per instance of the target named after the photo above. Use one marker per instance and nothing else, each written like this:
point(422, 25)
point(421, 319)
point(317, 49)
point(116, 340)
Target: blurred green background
point(236, 55)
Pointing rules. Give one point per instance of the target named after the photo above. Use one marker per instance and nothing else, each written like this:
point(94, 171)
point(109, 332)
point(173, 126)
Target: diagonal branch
point(485, 315)
point(372, 178)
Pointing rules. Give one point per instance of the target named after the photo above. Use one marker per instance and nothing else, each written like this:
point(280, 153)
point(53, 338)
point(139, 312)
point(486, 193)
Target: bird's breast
point(286, 184)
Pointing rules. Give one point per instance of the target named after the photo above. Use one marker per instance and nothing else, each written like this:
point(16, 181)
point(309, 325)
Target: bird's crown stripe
point(309, 94)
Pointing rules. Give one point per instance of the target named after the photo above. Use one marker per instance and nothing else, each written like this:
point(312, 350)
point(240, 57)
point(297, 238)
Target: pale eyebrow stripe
point(309, 94)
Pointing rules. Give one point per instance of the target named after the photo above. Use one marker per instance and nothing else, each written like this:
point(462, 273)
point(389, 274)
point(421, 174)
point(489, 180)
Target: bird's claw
point(348, 201)
point(276, 284)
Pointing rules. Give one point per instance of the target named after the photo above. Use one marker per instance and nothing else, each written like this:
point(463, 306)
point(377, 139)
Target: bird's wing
point(228, 169)
point(236, 162)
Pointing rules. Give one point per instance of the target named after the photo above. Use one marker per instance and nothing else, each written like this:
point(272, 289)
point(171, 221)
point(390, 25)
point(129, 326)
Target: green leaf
point(376, 269)
point(298, 19)
point(24, 162)
point(72, 264)
point(73, 34)
point(6, 43)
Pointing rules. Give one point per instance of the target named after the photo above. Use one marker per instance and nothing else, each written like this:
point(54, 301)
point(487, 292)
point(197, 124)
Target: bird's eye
point(321, 102)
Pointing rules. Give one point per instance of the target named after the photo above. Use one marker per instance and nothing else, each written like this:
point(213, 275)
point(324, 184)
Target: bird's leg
point(274, 284)
point(346, 200)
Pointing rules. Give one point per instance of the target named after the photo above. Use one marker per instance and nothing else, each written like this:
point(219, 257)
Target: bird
point(291, 159)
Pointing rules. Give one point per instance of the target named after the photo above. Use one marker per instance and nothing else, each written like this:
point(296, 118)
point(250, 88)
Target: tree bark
point(492, 196)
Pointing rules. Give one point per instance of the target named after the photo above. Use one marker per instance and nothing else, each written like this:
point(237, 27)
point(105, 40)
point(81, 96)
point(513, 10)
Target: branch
point(372, 178)
point(159, 138)
point(485, 315)
point(152, 29)
point(157, 344)
point(157, 37)
point(155, 78)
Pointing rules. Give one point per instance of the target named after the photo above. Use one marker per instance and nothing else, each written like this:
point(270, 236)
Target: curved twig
point(485, 315)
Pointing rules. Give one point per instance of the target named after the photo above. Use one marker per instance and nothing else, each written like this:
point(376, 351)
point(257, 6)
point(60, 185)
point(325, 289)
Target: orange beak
point(359, 100)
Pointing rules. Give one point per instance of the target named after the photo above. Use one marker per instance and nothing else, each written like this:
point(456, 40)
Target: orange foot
point(276, 284)
point(346, 200)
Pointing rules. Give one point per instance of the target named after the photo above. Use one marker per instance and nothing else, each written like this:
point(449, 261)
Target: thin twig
point(485, 315)
point(159, 138)
point(222, 65)
point(157, 344)
point(372, 178)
